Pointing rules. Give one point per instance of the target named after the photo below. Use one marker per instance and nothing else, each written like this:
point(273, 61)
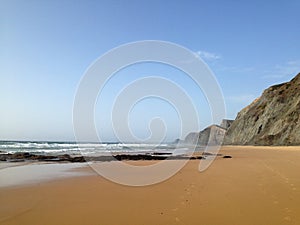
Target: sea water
point(74, 148)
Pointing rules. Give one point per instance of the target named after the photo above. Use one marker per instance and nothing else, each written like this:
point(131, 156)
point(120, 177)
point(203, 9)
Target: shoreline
point(24, 173)
point(257, 186)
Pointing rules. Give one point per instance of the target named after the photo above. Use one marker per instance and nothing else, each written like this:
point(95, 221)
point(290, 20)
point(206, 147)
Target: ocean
point(90, 149)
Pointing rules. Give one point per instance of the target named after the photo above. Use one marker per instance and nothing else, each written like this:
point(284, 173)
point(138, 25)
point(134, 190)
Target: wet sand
point(259, 185)
point(30, 173)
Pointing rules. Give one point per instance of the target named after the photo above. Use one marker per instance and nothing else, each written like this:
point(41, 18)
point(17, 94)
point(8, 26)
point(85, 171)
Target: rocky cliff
point(212, 135)
point(272, 119)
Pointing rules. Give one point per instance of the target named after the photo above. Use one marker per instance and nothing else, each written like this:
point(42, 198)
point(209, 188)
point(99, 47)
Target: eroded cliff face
point(212, 135)
point(272, 119)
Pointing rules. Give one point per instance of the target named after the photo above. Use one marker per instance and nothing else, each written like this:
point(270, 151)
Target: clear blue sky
point(46, 46)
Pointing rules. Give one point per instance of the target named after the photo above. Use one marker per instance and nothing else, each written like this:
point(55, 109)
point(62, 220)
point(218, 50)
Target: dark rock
point(161, 153)
point(3, 157)
point(17, 157)
point(197, 157)
point(16, 160)
point(77, 159)
point(227, 157)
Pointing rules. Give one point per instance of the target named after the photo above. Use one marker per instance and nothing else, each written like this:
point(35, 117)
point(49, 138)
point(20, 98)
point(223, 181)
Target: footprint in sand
point(188, 191)
point(293, 187)
point(282, 176)
point(287, 210)
point(287, 218)
point(287, 180)
point(187, 194)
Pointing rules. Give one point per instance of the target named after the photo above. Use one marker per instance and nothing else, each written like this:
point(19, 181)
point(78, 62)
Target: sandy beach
point(258, 185)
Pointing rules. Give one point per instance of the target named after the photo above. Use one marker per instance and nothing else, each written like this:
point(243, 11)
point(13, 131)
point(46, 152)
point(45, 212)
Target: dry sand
point(259, 185)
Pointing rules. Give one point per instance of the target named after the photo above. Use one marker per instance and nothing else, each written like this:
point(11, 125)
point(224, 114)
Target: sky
point(47, 46)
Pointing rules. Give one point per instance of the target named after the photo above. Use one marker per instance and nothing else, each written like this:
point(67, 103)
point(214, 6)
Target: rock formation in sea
point(272, 119)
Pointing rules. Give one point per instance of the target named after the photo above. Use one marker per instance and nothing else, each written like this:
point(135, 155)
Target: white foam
point(77, 148)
